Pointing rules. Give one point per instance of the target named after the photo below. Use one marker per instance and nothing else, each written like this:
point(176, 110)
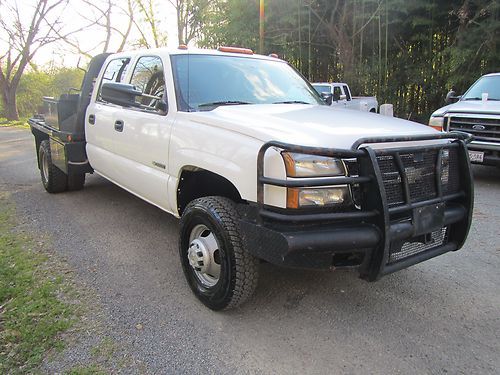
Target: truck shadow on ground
point(127, 250)
point(281, 289)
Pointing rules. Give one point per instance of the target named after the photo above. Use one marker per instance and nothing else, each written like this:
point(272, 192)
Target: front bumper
point(491, 152)
point(379, 237)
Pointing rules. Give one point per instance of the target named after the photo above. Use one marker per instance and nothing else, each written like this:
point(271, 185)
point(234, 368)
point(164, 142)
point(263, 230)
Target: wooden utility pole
point(309, 76)
point(261, 27)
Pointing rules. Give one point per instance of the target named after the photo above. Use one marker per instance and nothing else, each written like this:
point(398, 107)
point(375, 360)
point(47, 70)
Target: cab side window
point(115, 72)
point(347, 94)
point(149, 77)
point(337, 92)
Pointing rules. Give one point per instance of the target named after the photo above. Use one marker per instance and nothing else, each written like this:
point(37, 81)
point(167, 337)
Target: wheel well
point(39, 137)
point(373, 110)
point(199, 183)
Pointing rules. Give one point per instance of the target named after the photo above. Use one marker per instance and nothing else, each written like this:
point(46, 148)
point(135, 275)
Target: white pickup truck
point(258, 168)
point(477, 112)
point(339, 94)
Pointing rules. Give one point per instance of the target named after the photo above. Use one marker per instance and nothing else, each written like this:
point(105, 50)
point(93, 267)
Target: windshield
point(490, 85)
point(203, 82)
point(323, 89)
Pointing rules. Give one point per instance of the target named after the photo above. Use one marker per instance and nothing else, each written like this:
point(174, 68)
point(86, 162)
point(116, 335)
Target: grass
point(33, 312)
point(21, 123)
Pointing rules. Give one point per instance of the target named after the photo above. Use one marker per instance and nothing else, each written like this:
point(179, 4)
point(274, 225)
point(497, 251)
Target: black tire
point(53, 179)
point(238, 268)
point(76, 181)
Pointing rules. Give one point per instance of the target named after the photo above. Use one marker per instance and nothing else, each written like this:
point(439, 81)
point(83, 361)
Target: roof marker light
point(245, 51)
point(275, 55)
point(182, 46)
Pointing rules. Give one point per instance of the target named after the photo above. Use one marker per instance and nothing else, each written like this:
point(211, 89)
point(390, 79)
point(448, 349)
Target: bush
point(36, 84)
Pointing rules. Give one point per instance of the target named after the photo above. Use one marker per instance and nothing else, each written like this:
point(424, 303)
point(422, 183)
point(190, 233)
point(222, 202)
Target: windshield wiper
point(476, 98)
point(225, 102)
point(292, 102)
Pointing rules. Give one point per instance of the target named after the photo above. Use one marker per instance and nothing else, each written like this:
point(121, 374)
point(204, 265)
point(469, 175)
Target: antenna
point(78, 65)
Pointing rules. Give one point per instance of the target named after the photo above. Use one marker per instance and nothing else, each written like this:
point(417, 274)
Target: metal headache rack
point(419, 197)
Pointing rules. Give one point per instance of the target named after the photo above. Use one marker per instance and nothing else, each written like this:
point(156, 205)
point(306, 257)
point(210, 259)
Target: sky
point(73, 18)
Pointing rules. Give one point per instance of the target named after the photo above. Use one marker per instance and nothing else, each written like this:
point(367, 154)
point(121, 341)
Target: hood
point(307, 125)
point(490, 107)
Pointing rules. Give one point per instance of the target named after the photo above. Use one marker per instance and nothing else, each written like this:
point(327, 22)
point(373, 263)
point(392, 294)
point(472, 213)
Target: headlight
point(436, 122)
point(302, 165)
point(317, 197)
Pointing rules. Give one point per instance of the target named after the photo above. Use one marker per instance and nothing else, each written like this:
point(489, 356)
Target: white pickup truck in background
point(341, 96)
point(477, 112)
point(257, 166)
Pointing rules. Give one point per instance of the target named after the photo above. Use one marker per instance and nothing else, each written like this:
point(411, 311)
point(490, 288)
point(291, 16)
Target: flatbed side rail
point(40, 125)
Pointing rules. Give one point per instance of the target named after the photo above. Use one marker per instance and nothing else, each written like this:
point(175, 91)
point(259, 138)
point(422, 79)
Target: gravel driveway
point(441, 316)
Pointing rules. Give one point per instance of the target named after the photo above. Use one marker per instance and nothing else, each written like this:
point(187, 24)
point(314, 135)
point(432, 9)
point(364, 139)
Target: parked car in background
point(477, 112)
point(341, 96)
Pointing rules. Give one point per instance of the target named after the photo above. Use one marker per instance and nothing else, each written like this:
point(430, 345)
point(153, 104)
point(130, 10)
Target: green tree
point(408, 53)
point(35, 84)
point(24, 31)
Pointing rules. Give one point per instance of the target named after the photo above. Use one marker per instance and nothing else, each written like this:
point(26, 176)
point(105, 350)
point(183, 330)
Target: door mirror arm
point(452, 97)
point(327, 97)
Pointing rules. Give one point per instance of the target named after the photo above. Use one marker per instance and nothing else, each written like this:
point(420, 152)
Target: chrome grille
point(485, 129)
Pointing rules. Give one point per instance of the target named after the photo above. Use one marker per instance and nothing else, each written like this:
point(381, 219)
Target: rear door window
point(115, 72)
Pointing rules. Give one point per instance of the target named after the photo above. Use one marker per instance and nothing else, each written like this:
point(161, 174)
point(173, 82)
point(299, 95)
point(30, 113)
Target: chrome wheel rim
point(45, 167)
point(204, 255)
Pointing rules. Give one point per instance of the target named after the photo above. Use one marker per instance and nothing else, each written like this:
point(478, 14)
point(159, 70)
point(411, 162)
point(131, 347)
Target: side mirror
point(327, 97)
point(452, 97)
point(122, 94)
point(343, 97)
point(161, 106)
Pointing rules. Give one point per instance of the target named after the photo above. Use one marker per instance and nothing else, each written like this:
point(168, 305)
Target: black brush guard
point(374, 232)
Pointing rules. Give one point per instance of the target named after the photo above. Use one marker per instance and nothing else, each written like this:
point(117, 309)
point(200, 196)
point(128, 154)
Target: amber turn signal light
point(245, 51)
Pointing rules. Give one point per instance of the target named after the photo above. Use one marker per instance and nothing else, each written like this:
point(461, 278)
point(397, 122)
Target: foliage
point(32, 314)
point(21, 123)
point(24, 30)
point(36, 84)
point(408, 53)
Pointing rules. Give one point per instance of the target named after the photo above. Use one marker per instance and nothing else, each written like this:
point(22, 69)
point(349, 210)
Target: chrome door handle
point(119, 125)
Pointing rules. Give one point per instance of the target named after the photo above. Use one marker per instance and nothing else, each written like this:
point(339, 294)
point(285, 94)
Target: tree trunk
point(10, 103)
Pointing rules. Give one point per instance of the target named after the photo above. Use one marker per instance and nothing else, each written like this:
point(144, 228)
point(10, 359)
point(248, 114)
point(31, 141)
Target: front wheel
point(218, 269)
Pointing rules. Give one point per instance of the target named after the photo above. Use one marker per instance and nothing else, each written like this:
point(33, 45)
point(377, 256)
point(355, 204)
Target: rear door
point(100, 117)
